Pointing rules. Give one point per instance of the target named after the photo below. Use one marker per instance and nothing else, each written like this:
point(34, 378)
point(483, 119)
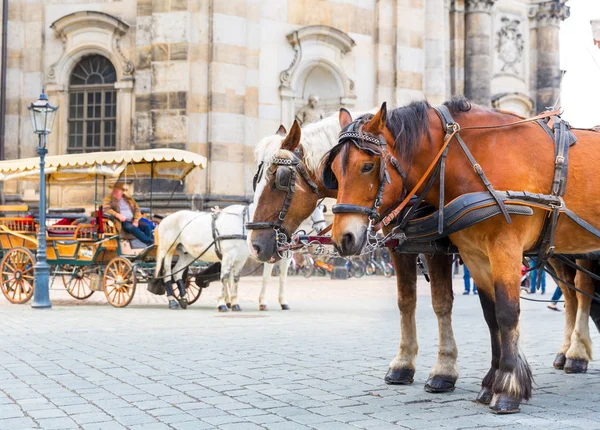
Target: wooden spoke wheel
point(192, 290)
point(79, 282)
point(17, 274)
point(119, 282)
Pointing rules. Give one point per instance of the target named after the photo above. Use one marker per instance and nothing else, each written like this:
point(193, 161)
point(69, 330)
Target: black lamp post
point(42, 118)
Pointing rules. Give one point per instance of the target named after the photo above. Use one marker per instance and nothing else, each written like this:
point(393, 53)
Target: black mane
point(408, 124)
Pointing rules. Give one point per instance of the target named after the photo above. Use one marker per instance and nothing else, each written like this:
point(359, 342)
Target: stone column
point(548, 76)
point(478, 50)
point(457, 47)
point(434, 85)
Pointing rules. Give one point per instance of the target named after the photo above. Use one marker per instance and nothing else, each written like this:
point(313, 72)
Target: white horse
point(318, 224)
point(192, 236)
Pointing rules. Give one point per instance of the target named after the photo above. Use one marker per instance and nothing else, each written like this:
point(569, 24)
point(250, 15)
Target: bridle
point(285, 180)
point(351, 135)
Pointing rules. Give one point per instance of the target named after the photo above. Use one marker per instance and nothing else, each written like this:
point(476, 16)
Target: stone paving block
point(89, 418)
point(46, 413)
point(10, 411)
point(57, 423)
point(286, 425)
point(192, 425)
point(333, 425)
point(17, 423)
point(137, 419)
point(84, 408)
point(241, 426)
point(265, 419)
point(219, 420)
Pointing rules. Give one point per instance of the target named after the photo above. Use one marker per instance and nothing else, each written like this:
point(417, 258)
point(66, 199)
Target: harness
point(285, 180)
point(218, 238)
point(471, 208)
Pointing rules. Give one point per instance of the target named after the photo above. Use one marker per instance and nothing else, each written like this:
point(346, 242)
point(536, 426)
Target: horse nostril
point(348, 241)
point(256, 248)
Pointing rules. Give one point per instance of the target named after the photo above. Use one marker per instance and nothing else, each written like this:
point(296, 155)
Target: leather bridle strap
point(296, 166)
point(395, 212)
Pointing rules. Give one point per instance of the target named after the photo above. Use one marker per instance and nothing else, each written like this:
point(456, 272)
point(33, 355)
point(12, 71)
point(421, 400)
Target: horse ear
point(292, 140)
point(377, 123)
point(345, 117)
point(281, 131)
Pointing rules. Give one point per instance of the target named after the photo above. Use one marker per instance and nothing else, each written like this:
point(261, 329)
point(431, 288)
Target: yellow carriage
point(85, 251)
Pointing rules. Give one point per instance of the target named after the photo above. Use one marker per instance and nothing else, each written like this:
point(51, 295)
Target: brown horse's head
point(282, 194)
point(360, 168)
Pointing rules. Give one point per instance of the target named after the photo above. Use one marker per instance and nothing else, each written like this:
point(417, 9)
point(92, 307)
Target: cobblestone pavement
point(320, 365)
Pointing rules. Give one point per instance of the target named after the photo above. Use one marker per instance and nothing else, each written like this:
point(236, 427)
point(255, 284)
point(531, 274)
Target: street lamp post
point(42, 117)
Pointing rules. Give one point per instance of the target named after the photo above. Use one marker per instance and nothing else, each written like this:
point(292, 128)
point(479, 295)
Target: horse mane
point(408, 124)
point(317, 139)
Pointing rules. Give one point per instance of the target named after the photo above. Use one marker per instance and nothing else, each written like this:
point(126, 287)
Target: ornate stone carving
point(552, 13)
point(510, 44)
point(74, 31)
point(286, 75)
point(479, 6)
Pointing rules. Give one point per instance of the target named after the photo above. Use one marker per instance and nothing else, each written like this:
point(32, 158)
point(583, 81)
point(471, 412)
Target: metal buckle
point(560, 160)
point(477, 168)
point(453, 128)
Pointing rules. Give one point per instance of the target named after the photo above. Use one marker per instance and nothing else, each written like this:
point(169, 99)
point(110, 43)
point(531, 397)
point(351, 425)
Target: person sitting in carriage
point(127, 214)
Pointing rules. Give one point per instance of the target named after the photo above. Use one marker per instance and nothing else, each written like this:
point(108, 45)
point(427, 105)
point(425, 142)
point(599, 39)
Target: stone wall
point(214, 76)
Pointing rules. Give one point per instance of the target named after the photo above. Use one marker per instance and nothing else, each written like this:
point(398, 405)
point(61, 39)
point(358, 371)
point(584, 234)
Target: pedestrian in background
point(467, 280)
point(534, 278)
point(555, 298)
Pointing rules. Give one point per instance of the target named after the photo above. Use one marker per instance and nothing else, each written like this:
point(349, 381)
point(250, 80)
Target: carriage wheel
point(119, 282)
point(78, 284)
point(192, 290)
point(17, 275)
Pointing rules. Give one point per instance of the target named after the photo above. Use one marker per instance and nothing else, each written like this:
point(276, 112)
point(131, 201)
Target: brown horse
point(306, 147)
point(518, 158)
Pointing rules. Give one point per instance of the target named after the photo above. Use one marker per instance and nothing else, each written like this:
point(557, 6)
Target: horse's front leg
point(567, 274)
point(224, 298)
point(580, 351)
point(284, 264)
point(513, 381)
point(402, 367)
point(481, 274)
point(267, 271)
point(444, 373)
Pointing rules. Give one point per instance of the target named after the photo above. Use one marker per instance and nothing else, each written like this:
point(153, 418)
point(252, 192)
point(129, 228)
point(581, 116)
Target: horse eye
point(367, 167)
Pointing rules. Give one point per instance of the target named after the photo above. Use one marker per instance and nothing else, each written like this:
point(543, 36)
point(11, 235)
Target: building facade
point(214, 76)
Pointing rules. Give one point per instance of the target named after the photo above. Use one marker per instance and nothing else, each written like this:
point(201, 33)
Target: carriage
point(86, 252)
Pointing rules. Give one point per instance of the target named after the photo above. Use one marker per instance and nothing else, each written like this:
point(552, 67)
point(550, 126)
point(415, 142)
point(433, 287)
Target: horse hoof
point(440, 384)
point(484, 396)
point(399, 376)
point(263, 307)
point(222, 308)
point(285, 307)
point(228, 305)
point(576, 365)
point(236, 308)
point(503, 404)
point(559, 361)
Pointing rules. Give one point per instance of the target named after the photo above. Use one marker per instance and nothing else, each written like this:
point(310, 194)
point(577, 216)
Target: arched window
point(92, 106)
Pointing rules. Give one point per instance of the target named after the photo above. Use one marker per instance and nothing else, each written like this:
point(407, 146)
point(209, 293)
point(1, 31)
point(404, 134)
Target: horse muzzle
point(263, 246)
point(351, 241)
